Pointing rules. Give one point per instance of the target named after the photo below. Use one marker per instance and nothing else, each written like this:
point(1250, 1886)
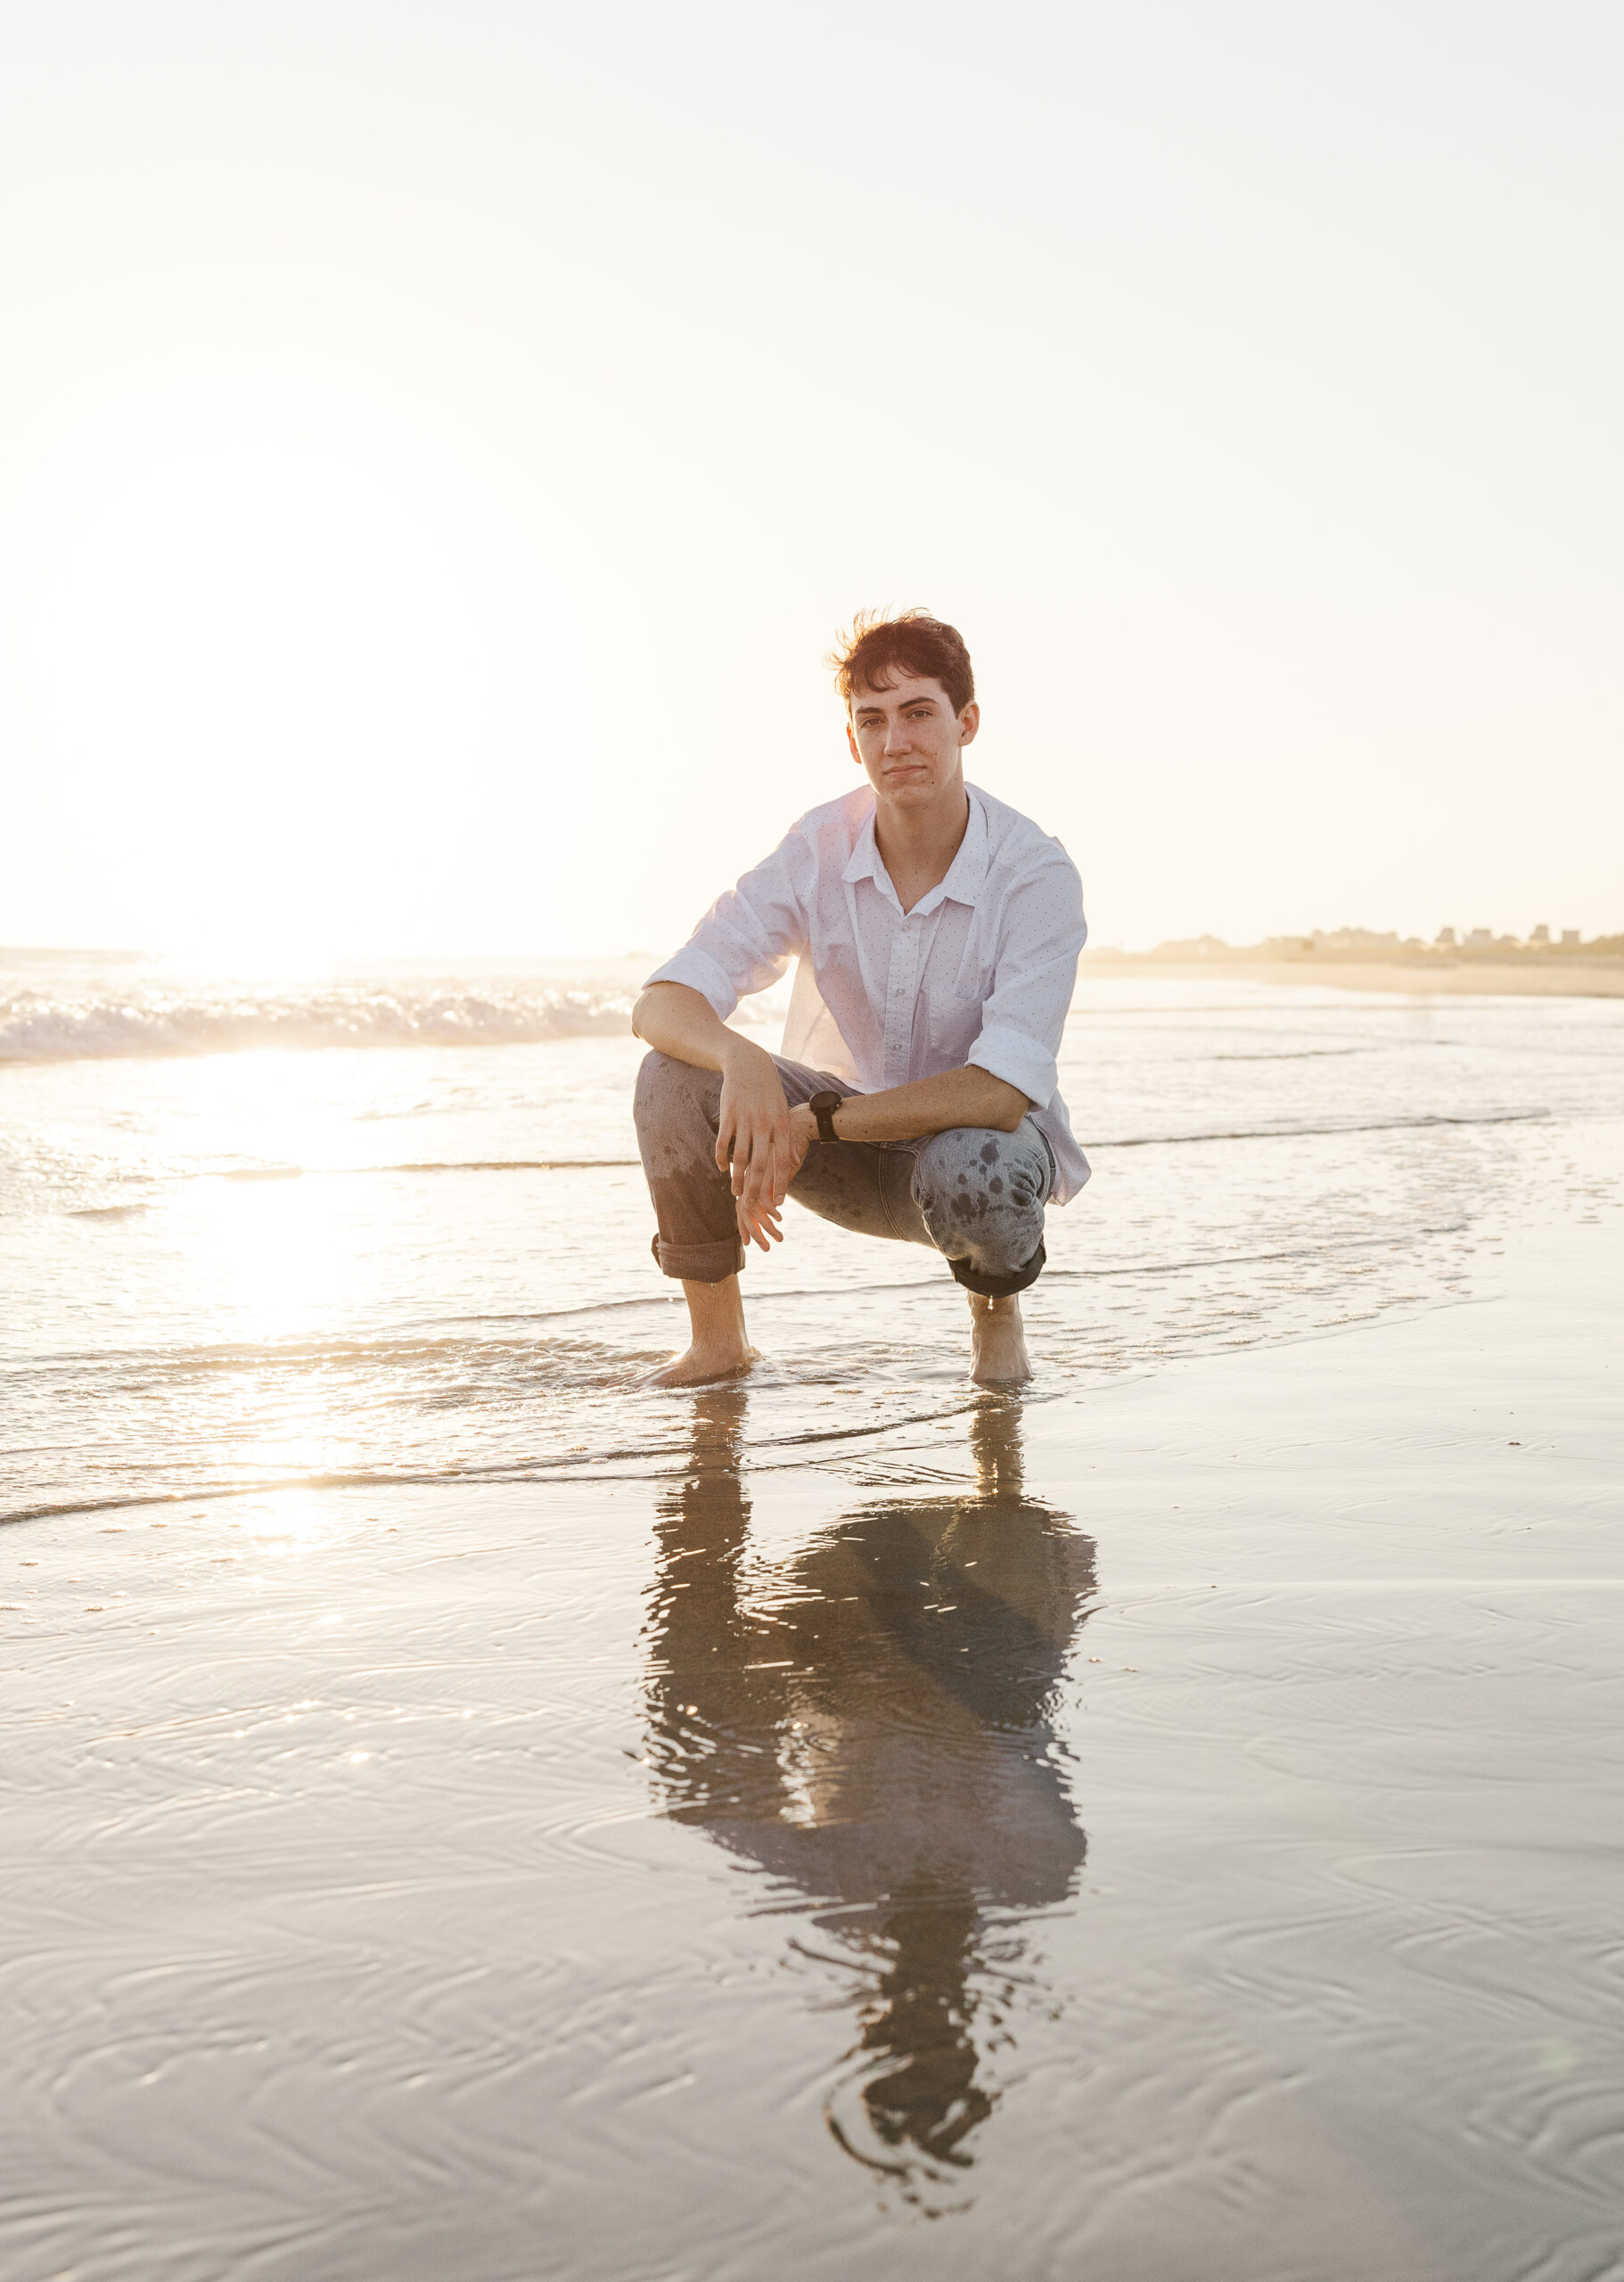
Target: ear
point(969, 722)
point(851, 743)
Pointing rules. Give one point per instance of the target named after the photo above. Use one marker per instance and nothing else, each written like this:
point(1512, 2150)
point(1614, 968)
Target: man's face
point(910, 741)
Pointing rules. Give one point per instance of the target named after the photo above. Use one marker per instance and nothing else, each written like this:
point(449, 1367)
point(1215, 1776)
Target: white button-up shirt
point(980, 972)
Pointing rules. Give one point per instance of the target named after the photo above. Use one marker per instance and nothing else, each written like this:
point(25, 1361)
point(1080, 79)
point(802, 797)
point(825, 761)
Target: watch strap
point(823, 1107)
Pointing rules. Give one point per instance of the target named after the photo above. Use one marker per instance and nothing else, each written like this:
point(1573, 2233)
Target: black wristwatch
point(823, 1107)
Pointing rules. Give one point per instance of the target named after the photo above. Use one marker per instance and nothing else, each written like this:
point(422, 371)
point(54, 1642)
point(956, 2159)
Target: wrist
point(738, 1053)
point(823, 1109)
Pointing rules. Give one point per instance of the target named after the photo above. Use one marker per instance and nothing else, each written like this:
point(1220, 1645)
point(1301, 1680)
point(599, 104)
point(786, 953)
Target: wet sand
point(1169, 1834)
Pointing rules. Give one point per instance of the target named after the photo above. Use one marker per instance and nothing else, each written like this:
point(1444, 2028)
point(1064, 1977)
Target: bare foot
point(702, 1367)
point(718, 1348)
point(997, 1342)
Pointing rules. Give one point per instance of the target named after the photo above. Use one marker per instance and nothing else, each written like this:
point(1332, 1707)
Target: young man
point(937, 934)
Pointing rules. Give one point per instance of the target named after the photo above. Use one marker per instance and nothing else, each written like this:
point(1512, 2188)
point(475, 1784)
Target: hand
point(754, 1141)
point(759, 1222)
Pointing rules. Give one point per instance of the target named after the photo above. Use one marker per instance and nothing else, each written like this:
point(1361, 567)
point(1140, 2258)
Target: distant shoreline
point(1544, 974)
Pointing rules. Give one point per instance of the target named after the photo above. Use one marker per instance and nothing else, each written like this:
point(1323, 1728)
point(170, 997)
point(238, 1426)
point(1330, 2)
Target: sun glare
point(268, 690)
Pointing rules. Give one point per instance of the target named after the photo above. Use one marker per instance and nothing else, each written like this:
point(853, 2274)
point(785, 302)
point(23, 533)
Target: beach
point(465, 1817)
point(1560, 976)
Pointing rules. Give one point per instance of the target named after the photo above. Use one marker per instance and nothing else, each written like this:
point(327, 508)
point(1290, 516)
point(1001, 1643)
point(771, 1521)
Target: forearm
point(679, 1021)
point(966, 1096)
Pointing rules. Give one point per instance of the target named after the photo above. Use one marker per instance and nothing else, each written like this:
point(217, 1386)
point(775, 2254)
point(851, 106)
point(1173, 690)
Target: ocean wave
point(35, 1028)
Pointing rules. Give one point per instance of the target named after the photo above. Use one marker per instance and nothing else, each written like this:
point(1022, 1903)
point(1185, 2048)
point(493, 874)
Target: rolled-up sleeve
point(748, 936)
point(1043, 932)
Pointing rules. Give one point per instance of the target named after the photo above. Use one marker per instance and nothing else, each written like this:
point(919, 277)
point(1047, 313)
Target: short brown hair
point(879, 648)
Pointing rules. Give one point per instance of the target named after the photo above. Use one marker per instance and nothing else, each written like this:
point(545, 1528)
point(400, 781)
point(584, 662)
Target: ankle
point(716, 1317)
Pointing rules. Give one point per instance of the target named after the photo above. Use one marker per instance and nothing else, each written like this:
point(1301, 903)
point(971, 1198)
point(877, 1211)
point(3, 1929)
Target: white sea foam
point(37, 1027)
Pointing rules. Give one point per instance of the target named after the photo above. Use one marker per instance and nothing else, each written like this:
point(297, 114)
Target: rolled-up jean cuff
point(999, 1287)
point(711, 1263)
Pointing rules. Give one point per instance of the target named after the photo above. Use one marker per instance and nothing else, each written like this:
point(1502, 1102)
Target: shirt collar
point(966, 877)
point(864, 861)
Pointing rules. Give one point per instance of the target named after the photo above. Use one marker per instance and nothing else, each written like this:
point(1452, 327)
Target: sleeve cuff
point(701, 972)
point(1005, 1052)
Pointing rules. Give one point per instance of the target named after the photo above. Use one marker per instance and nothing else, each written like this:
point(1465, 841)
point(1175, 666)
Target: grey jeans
point(974, 1194)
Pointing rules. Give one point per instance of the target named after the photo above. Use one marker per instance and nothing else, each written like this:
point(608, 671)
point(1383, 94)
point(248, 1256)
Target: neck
point(918, 845)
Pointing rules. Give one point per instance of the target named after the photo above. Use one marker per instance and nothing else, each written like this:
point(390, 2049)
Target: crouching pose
point(937, 934)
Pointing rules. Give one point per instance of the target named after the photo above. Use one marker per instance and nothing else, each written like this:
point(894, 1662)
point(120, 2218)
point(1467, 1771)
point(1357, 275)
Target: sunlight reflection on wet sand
point(1155, 1834)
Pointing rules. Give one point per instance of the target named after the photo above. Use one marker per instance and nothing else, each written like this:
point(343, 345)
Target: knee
point(982, 1194)
point(668, 1093)
point(650, 1090)
point(990, 1185)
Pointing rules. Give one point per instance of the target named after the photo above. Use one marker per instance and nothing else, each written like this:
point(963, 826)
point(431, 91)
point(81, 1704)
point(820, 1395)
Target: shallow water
point(331, 1262)
point(1165, 1828)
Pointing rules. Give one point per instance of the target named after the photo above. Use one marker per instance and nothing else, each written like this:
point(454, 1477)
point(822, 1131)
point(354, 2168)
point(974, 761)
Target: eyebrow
point(871, 705)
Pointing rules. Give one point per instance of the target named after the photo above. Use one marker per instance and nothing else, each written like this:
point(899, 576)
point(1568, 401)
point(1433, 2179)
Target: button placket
point(900, 1003)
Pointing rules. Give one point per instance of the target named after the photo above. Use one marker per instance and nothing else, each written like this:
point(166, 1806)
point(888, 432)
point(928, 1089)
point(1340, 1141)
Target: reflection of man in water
point(870, 1725)
point(936, 934)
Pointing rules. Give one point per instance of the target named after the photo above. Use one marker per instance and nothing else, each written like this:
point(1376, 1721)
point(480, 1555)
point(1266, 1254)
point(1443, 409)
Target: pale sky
point(440, 438)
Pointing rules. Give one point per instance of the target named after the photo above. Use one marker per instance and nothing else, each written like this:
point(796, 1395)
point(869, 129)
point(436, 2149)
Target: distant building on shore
point(1484, 939)
point(1341, 947)
point(1353, 939)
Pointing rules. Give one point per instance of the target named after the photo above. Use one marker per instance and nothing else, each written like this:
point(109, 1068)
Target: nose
point(897, 739)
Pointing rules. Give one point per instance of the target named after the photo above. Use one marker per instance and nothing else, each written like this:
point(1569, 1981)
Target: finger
point(757, 1177)
point(790, 1162)
point(758, 1225)
point(743, 1150)
point(747, 1173)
